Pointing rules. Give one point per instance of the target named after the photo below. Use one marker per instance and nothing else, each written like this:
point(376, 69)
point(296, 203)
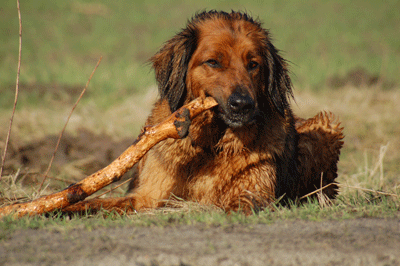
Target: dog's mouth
point(236, 120)
point(237, 112)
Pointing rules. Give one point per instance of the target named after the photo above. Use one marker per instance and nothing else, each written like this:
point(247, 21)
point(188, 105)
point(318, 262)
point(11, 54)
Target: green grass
point(62, 40)
point(357, 205)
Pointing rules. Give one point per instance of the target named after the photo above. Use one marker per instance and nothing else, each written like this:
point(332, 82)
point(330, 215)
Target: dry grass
point(121, 120)
point(368, 167)
point(368, 164)
point(371, 126)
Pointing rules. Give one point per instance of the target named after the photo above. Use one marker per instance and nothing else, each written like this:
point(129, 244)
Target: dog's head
point(228, 56)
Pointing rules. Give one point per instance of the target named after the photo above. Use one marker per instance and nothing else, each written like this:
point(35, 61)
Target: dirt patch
point(77, 155)
point(349, 242)
point(359, 78)
point(55, 92)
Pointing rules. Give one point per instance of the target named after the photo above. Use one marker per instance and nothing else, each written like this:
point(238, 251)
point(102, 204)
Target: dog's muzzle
point(239, 110)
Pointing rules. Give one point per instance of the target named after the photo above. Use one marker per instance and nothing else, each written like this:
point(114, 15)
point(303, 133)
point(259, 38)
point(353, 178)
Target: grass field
point(62, 41)
point(327, 43)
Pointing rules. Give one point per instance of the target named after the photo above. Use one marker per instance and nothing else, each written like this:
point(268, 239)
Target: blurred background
point(344, 57)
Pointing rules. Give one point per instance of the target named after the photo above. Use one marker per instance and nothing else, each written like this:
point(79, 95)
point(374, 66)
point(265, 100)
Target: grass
point(62, 41)
point(356, 205)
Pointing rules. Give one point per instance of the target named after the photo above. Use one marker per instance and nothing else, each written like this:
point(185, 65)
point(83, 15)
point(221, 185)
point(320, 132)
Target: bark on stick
point(176, 126)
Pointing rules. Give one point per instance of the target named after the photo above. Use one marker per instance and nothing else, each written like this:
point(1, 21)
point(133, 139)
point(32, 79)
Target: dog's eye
point(212, 63)
point(252, 65)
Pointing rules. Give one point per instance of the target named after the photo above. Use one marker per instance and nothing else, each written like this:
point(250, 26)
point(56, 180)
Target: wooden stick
point(176, 126)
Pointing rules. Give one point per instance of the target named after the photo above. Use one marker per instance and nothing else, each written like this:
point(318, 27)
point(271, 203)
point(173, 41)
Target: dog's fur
point(248, 151)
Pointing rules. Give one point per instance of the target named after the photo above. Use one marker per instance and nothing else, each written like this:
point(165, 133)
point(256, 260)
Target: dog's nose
point(240, 103)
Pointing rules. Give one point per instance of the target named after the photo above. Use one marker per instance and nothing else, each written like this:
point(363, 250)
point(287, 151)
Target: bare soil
point(348, 242)
point(77, 156)
point(359, 77)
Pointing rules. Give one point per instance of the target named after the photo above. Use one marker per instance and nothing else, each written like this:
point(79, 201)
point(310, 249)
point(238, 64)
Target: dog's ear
point(171, 64)
point(276, 76)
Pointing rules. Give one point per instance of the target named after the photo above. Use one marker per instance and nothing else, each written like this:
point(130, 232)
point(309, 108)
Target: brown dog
point(250, 149)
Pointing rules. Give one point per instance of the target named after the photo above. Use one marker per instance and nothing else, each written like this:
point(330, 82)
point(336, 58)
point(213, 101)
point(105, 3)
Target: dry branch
point(16, 91)
point(66, 123)
point(176, 126)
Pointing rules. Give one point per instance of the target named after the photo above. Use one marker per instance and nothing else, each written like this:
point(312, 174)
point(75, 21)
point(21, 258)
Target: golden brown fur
point(245, 160)
point(250, 149)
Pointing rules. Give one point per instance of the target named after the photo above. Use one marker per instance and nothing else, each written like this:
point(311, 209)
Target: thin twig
point(60, 179)
point(370, 190)
point(382, 152)
point(62, 131)
point(352, 187)
point(16, 90)
point(320, 185)
point(317, 190)
point(114, 188)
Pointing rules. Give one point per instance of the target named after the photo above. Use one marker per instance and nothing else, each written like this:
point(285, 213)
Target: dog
point(250, 150)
